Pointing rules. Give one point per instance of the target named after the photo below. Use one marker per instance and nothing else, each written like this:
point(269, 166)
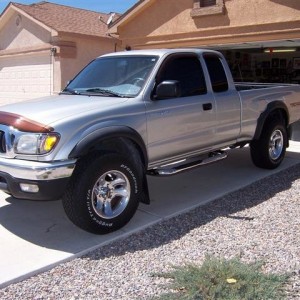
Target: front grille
point(2, 142)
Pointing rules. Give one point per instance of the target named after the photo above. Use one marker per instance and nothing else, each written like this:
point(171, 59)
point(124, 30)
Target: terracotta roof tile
point(67, 19)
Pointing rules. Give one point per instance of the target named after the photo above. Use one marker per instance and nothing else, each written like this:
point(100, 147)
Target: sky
point(105, 6)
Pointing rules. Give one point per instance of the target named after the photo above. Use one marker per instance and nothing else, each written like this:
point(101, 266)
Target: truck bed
point(243, 86)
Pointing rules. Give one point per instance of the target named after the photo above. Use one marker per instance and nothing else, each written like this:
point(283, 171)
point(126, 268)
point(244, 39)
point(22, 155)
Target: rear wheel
point(269, 150)
point(103, 194)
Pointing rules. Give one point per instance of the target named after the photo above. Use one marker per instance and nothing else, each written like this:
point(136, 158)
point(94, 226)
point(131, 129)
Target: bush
point(223, 279)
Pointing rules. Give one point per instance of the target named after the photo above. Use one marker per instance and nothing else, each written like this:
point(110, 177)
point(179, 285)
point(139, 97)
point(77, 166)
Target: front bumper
point(49, 178)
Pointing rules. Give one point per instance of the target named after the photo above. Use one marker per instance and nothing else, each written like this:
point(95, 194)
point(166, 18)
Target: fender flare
point(271, 107)
point(83, 146)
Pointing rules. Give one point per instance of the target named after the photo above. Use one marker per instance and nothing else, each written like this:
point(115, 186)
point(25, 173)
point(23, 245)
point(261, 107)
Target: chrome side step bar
point(188, 164)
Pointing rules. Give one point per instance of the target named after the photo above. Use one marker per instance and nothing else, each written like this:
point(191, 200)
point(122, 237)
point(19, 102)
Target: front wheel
point(103, 194)
point(269, 150)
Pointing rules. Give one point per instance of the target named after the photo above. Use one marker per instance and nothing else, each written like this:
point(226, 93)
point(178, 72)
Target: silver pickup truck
point(132, 114)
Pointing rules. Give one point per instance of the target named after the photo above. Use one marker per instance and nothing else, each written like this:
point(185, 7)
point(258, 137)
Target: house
point(44, 45)
point(260, 38)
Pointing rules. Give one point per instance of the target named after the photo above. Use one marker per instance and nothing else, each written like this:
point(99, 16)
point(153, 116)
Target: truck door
point(184, 124)
point(228, 104)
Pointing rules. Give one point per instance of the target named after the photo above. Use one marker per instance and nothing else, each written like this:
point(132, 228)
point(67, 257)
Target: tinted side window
point(187, 70)
point(216, 72)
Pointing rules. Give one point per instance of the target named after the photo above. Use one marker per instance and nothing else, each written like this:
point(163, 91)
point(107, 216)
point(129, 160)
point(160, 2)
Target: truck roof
point(158, 52)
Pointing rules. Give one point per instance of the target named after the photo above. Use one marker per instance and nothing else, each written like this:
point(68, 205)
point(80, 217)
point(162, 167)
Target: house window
point(207, 7)
point(206, 3)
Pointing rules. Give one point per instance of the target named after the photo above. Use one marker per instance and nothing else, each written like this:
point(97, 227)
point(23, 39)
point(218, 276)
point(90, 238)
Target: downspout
point(53, 51)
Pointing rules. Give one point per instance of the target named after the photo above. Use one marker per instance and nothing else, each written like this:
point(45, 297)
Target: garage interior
point(268, 62)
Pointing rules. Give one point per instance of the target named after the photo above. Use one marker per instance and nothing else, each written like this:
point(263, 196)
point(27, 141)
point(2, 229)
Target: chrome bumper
point(33, 170)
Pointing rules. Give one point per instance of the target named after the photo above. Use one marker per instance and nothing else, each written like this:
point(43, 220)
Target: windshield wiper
point(105, 92)
point(69, 92)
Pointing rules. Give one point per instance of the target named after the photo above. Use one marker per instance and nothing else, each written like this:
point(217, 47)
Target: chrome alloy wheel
point(111, 194)
point(276, 144)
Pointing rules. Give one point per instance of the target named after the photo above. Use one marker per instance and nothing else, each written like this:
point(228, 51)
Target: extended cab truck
point(129, 114)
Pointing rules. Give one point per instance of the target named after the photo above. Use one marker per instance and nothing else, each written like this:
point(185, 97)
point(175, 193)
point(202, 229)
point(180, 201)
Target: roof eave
point(83, 35)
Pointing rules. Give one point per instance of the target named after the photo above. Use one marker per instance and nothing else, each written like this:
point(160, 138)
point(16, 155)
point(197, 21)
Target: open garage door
point(266, 62)
point(24, 77)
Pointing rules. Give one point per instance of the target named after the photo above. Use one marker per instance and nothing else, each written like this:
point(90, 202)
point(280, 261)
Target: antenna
point(100, 18)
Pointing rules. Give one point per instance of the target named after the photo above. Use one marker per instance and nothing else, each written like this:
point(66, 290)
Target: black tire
point(269, 150)
point(103, 194)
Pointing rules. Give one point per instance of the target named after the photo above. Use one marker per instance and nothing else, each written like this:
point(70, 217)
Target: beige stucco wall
point(87, 49)
point(25, 34)
point(169, 23)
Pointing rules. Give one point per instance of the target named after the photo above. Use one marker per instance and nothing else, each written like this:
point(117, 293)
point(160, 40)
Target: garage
point(260, 39)
point(271, 62)
point(24, 77)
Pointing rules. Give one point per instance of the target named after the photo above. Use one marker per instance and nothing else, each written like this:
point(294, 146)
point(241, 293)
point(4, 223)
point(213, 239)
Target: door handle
point(207, 106)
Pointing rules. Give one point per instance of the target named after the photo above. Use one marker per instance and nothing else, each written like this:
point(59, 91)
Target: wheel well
point(118, 139)
point(120, 145)
point(277, 113)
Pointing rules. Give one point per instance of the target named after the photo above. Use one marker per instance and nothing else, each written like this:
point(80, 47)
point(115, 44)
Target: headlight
point(39, 143)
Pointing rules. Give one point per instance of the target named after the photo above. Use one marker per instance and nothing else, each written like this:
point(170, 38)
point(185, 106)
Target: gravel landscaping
point(259, 222)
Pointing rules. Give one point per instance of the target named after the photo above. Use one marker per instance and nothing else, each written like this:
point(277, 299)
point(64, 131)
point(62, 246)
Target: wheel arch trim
point(271, 107)
point(83, 146)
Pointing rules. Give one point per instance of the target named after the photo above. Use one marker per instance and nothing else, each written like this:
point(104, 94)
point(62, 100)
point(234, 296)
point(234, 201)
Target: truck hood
point(48, 110)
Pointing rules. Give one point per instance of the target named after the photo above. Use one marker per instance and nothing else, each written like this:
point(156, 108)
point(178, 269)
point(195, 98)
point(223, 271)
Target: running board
point(188, 164)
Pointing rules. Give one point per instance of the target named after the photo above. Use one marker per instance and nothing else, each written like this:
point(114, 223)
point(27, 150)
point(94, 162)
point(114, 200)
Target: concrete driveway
point(36, 236)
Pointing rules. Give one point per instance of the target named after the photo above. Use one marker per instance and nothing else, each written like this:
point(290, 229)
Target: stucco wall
point(20, 32)
point(253, 12)
point(87, 49)
point(169, 23)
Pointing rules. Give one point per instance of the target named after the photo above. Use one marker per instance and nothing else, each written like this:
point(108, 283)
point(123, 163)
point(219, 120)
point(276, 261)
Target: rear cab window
point(216, 72)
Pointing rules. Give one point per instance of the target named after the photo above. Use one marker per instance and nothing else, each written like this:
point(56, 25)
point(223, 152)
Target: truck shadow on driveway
point(45, 224)
point(231, 206)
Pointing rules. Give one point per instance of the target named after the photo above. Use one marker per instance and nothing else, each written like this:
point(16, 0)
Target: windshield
point(118, 76)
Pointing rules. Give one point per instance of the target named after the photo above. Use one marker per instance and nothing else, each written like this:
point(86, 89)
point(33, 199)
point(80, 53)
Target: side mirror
point(168, 89)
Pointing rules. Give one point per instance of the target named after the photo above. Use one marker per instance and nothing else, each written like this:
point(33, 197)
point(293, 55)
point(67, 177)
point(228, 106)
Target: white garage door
point(24, 77)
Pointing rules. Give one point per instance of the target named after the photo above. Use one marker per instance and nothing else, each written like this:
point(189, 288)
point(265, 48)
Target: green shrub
point(223, 279)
